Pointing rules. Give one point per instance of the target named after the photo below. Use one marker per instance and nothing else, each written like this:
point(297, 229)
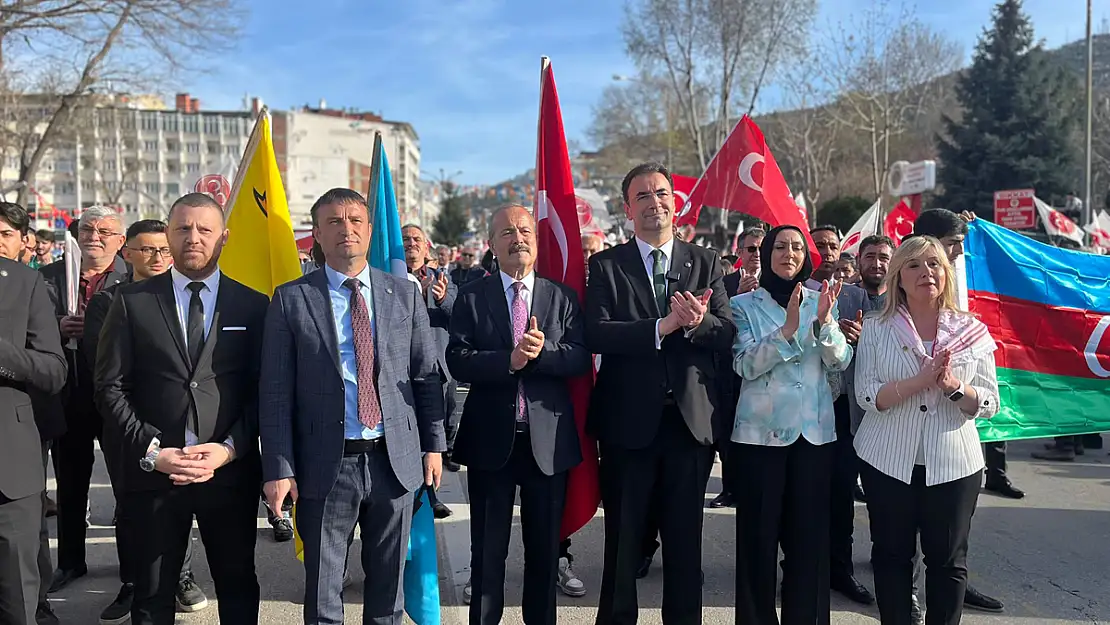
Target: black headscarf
point(779, 288)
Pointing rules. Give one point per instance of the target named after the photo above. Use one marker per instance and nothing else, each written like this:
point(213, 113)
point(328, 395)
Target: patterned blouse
point(785, 393)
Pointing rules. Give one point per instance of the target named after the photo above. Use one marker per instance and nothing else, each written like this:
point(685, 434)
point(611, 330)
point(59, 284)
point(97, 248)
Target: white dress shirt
point(649, 266)
point(889, 439)
point(181, 296)
point(507, 282)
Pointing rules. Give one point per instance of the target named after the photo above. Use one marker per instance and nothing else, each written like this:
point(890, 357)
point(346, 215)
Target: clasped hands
point(438, 284)
point(687, 311)
point(193, 465)
point(528, 348)
point(830, 291)
point(937, 373)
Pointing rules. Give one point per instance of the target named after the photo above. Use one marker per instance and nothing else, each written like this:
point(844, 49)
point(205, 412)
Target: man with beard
point(177, 374)
point(147, 251)
point(658, 315)
point(828, 246)
point(100, 237)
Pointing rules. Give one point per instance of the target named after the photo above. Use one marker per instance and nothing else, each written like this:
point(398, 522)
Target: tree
point(83, 48)
point(843, 211)
point(885, 69)
point(453, 221)
point(1019, 116)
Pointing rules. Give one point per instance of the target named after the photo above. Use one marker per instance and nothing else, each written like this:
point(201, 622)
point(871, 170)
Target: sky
point(465, 73)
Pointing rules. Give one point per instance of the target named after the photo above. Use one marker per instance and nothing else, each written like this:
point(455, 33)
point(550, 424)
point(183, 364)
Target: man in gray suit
point(351, 423)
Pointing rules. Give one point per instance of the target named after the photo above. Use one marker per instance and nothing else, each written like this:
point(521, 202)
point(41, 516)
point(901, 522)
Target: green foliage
point(842, 211)
point(453, 219)
point(1019, 118)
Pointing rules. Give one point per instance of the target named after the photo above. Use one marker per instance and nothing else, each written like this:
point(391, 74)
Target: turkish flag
point(683, 185)
point(744, 177)
point(899, 222)
point(559, 258)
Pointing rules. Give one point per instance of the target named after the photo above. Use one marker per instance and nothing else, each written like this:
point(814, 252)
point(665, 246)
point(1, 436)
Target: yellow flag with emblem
point(261, 251)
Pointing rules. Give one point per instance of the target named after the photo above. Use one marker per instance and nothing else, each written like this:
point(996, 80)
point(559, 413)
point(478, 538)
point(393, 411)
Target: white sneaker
point(568, 581)
point(467, 592)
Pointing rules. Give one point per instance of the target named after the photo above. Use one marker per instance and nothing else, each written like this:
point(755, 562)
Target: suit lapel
point(384, 309)
point(319, 306)
point(679, 274)
point(214, 330)
point(633, 265)
point(166, 301)
point(498, 308)
point(541, 301)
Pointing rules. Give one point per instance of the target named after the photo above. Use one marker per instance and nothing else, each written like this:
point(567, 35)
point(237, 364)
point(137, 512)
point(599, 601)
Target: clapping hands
point(688, 309)
point(529, 347)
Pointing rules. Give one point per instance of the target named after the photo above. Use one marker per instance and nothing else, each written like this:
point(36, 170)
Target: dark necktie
point(659, 281)
point(194, 327)
point(369, 408)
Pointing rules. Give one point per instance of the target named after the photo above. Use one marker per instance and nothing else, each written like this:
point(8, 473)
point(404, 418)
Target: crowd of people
point(858, 378)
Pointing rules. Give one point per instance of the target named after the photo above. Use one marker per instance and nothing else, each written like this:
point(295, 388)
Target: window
point(211, 125)
point(130, 165)
point(173, 189)
point(213, 147)
point(127, 121)
point(108, 144)
point(128, 208)
point(64, 165)
point(105, 118)
point(86, 163)
point(153, 188)
point(66, 188)
point(150, 165)
point(231, 125)
point(172, 167)
point(192, 148)
point(111, 185)
point(192, 168)
point(149, 120)
point(129, 144)
point(150, 146)
point(169, 123)
point(110, 164)
point(190, 123)
point(171, 146)
point(130, 186)
point(86, 185)
point(232, 150)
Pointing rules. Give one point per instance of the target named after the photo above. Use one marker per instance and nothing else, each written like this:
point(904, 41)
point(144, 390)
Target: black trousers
point(162, 520)
point(994, 455)
point(542, 498)
point(670, 474)
point(46, 567)
point(20, 520)
point(74, 455)
point(842, 511)
point(942, 514)
point(451, 419)
point(783, 499)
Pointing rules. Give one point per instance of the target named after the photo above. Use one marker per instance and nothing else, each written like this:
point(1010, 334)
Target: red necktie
point(369, 409)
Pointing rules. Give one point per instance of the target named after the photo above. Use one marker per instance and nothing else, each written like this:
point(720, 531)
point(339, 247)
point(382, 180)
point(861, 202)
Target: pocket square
point(234, 328)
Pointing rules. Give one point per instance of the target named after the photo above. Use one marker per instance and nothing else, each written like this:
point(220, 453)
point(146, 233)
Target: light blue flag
point(421, 578)
point(386, 251)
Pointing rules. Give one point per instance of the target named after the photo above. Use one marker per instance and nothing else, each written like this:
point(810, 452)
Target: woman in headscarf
point(925, 373)
point(787, 341)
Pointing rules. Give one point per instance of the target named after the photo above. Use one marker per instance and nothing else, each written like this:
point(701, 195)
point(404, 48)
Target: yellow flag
point(261, 251)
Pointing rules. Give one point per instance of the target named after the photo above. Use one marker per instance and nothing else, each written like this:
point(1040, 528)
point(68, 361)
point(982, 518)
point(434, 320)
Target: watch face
point(146, 464)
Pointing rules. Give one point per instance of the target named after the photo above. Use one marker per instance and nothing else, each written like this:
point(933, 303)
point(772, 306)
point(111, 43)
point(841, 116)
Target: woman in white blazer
point(924, 373)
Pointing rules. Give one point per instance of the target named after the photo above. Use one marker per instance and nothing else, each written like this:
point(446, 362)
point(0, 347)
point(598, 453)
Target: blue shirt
point(345, 339)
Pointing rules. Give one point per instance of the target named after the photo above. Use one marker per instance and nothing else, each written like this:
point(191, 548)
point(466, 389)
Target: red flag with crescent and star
point(683, 216)
point(744, 177)
point(899, 222)
point(559, 258)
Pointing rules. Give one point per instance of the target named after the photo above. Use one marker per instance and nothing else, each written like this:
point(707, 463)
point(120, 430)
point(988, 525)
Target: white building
point(133, 153)
point(318, 149)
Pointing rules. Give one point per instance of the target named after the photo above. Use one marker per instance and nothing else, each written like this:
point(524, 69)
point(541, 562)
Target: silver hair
point(98, 213)
point(501, 209)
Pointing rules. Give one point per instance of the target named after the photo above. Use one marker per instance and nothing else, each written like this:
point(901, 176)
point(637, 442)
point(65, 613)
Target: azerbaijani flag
point(1048, 309)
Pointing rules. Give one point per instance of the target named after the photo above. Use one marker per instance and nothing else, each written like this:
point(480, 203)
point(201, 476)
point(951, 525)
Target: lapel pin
point(689, 264)
point(3, 273)
point(390, 291)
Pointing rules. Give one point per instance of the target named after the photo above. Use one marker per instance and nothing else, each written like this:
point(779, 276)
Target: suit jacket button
point(924, 408)
point(192, 384)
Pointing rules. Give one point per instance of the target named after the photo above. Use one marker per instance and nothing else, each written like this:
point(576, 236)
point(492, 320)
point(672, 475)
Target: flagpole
point(375, 173)
point(1087, 208)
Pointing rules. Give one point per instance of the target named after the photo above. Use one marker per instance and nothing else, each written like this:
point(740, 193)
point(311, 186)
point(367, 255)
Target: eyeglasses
point(466, 255)
point(104, 233)
point(149, 252)
point(751, 249)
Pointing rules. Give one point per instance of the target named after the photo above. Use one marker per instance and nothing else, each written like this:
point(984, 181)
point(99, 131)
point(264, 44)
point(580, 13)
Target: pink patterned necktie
point(369, 408)
point(520, 321)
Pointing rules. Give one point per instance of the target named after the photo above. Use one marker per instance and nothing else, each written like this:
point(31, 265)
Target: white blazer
point(888, 439)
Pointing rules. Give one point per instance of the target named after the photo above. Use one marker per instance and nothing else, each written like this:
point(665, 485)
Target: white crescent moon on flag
point(1090, 352)
point(685, 202)
point(544, 210)
point(745, 170)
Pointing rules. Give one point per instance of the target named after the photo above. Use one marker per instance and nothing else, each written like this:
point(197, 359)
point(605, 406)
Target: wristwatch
point(148, 461)
point(957, 394)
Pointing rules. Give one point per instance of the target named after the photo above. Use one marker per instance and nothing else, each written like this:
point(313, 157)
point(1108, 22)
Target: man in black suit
point(517, 339)
point(31, 360)
point(351, 412)
point(177, 374)
point(467, 269)
point(100, 236)
point(657, 313)
point(147, 252)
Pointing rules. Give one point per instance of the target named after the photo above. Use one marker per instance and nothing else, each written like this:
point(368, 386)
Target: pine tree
point(453, 220)
point(1019, 118)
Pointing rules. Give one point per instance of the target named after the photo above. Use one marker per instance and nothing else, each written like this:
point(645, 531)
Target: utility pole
point(1088, 212)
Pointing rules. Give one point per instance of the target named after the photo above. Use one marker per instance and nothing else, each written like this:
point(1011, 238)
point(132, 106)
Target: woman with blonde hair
point(924, 373)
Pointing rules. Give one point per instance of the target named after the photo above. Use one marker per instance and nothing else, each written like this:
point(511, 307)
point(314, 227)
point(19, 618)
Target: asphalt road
point(1047, 557)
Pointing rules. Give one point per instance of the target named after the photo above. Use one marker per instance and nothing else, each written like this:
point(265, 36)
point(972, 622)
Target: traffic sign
point(1015, 209)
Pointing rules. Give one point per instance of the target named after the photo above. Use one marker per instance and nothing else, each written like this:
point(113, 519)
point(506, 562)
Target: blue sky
point(465, 73)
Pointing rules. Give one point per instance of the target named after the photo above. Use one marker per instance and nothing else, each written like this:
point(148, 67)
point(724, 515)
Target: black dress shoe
point(44, 615)
point(1004, 488)
point(850, 587)
point(451, 465)
point(724, 500)
point(65, 577)
point(645, 566)
point(440, 510)
point(978, 601)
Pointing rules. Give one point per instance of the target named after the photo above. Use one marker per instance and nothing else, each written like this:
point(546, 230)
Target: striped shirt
point(889, 439)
